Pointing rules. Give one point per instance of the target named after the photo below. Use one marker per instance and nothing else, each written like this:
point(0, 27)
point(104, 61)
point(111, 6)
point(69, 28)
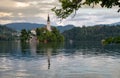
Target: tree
point(70, 6)
point(44, 35)
point(24, 35)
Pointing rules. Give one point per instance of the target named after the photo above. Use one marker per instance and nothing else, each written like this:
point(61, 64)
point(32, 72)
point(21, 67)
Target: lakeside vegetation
point(7, 33)
point(92, 33)
point(105, 34)
point(111, 40)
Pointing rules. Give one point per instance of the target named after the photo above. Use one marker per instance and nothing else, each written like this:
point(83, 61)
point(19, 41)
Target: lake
point(59, 60)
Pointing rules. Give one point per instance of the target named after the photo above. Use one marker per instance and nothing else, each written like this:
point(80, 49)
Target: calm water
point(59, 60)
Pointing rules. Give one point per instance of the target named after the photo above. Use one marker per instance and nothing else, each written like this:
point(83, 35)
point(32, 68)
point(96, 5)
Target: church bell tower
point(48, 24)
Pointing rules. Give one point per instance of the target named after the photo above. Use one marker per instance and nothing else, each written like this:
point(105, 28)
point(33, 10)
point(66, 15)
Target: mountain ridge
point(112, 24)
point(30, 26)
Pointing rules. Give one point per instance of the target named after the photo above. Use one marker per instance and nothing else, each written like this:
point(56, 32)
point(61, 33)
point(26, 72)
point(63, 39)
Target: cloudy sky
point(36, 11)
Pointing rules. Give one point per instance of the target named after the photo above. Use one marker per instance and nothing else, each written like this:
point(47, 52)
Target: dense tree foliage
point(25, 35)
point(93, 33)
point(44, 35)
point(6, 33)
point(70, 6)
point(111, 40)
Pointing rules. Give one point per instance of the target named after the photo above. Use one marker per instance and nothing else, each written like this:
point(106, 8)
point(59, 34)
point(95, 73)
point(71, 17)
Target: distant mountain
point(113, 24)
point(64, 28)
point(29, 26)
point(20, 26)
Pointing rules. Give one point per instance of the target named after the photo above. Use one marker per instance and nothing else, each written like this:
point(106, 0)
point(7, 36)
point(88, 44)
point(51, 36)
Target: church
point(48, 26)
point(45, 34)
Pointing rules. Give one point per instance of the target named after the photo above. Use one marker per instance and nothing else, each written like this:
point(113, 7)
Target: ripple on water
point(5, 68)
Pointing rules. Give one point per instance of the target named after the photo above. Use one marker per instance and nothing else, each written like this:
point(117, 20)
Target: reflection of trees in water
point(9, 47)
point(25, 49)
point(84, 47)
point(46, 50)
point(35, 48)
point(41, 47)
point(49, 50)
point(94, 48)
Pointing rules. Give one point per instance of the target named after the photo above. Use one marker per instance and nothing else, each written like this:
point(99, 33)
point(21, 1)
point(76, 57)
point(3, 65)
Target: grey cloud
point(111, 16)
point(31, 10)
point(25, 19)
point(38, 8)
point(77, 19)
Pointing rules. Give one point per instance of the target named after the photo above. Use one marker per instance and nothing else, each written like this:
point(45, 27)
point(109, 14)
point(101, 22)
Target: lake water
point(59, 60)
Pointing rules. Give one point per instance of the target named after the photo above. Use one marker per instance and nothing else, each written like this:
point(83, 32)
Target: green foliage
point(111, 40)
point(116, 39)
point(70, 6)
point(25, 35)
point(44, 35)
point(6, 33)
point(93, 33)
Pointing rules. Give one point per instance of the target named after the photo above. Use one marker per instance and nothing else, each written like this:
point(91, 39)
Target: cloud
point(4, 14)
point(36, 11)
point(5, 21)
point(22, 5)
point(26, 10)
point(88, 16)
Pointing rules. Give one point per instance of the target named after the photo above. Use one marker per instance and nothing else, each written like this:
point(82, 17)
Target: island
point(44, 34)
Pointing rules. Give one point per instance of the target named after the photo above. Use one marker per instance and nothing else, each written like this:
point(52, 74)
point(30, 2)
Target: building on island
point(33, 31)
point(48, 26)
point(44, 34)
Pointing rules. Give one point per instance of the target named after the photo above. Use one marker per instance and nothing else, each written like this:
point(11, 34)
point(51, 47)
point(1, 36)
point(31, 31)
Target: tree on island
point(25, 35)
point(111, 40)
point(70, 6)
point(50, 36)
point(43, 35)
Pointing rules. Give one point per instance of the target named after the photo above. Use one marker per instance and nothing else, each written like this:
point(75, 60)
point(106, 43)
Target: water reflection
point(41, 49)
point(49, 49)
point(59, 60)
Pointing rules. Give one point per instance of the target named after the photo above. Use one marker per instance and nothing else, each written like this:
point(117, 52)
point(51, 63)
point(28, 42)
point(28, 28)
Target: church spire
point(48, 24)
point(48, 20)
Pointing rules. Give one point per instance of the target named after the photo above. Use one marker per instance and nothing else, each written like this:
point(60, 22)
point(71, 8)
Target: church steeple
point(48, 24)
point(48, 20)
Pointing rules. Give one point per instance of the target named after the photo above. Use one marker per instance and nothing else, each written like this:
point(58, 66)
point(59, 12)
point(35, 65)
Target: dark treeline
point(6, 33)
point(92, 33)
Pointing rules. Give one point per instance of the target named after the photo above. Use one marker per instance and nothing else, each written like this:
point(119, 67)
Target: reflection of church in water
point(49, 51)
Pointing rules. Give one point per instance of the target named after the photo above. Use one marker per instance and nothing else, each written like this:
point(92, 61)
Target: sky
point(36, 11)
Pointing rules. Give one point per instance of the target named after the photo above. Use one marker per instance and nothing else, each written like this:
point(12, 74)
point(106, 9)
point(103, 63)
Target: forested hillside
point(6, 33)
point(92, 33)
